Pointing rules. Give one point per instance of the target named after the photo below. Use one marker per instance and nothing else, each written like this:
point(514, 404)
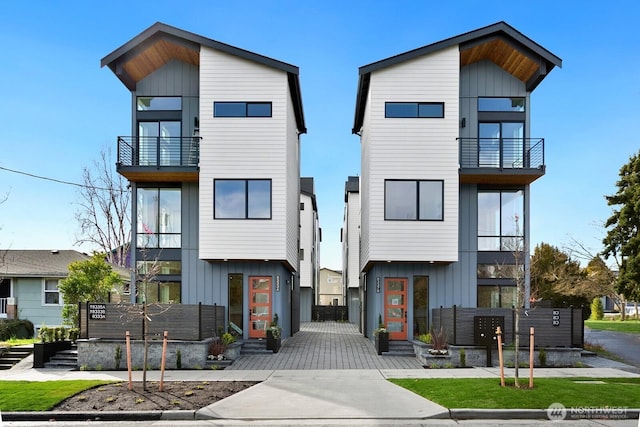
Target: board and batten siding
point(243, 148)
point(413, 149)
point(352, 278)
point(306, 241)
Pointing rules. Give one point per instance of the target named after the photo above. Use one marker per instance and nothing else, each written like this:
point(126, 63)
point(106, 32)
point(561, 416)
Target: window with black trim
point(501, 104)
point(414, 200)
point(433, 110)
point(497, 296)
point(241, 109)
point(159, 103)
point(159, 217)
point(500, 220)
point(242, 199)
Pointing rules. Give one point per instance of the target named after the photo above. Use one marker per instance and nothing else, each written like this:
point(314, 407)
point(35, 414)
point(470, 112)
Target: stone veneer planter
point(96, 354)
point(477, 356)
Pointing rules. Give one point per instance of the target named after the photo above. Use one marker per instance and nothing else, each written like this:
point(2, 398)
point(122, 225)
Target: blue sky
point(59, 108)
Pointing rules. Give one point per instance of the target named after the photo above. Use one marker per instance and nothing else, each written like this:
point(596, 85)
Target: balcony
point(517, 161)
point(154, 159)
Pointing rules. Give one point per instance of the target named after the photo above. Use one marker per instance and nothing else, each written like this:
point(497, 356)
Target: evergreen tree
point(622, 241)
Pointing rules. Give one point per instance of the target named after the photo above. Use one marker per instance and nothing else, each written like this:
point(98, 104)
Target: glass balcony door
point(159, 143)
point(501, 145)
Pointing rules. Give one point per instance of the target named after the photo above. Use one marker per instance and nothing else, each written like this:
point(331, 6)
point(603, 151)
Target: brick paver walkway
point(325, 345)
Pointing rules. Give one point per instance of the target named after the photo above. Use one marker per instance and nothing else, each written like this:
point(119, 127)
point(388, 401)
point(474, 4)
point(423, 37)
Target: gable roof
point(38, 263)
point(161, 43)
point(44, 263)
point(307, 188)
point(500, 43)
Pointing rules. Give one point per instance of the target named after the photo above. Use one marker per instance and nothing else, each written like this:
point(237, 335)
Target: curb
point(185, 415)
point(541, 414)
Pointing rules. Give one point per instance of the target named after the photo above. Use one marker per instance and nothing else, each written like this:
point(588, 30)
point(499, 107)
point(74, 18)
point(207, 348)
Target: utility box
point(484, 332)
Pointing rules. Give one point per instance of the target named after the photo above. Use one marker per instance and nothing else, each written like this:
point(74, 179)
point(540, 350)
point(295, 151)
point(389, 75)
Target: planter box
point(382, 342)
point(273, 344)
point(232, 351)
point(43, 352)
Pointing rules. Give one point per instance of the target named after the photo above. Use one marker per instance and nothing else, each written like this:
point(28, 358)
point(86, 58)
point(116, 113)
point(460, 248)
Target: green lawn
point(40, 396)
point(486, 393)
point(18, 341)
point(630, 326)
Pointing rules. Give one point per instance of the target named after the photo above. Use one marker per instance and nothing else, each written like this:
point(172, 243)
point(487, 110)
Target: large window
point(159, 218)
point(242, 199)
point(51, 294)
point(500, 220)
point(241, 109)
point(414, 200)
point(497, 296)
point(158, 293)
point(414, 110)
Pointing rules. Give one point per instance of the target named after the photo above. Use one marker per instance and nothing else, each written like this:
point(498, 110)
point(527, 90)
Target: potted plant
point(231, 346)
point(382, 336)
point(274, 333)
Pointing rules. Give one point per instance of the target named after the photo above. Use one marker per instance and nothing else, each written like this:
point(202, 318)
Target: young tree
point(622, 241)
point(103, 210)
point(89, 280)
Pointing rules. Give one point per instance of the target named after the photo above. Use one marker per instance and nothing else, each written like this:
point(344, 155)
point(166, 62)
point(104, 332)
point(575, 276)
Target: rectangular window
point(501, 104)
point(51, 295)
point(414, 110)
point(500, 220)
point(414, 200)
point(242, 199)
point(172, 268)
point(301, 254)
point(159, 103)
point(499, 271)
point(497, 296)
point(159, 218)
point(158, 293)
point(241, 109)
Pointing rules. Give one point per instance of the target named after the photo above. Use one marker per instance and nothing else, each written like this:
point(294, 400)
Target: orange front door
point(259, 306)
point(395, 308)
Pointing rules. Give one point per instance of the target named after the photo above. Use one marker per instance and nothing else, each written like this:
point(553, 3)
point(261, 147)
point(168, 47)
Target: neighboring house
point(214, 166)
point(29, 284)
point(447, 163)
point(350, 238)
point(310, 238)
point(330, 289)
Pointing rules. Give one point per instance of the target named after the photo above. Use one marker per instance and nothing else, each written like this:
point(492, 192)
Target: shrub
point(178, 359)
point(542, 357)
point(425, 338)
point(227, 339)
point(15, 328)
point(597, 310)
point(463, 358)
point(118, 356)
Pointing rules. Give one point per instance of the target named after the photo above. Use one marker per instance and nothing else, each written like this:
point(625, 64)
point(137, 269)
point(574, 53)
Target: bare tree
point(103, 210)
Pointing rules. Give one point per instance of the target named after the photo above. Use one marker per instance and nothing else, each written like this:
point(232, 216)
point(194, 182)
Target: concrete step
point(400, 349)
point(255, 347)
point(14, 355)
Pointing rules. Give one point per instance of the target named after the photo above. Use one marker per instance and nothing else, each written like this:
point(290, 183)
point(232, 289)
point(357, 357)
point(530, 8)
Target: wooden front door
point(395, 308)
point(259, 306)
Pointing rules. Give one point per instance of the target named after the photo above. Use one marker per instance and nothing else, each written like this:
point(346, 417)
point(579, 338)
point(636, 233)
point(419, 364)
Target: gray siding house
point(447, 164)
point(310, 238)
point(214, 165)
point(29, 284)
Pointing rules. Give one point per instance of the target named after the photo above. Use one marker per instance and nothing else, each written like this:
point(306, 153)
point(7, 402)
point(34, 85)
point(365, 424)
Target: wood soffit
point(502, 54)
point(154, 56)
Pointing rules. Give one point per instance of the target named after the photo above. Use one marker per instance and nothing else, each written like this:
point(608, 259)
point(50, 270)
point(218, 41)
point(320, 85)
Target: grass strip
point(486, 393)
point(40, 395)
point(630, 326)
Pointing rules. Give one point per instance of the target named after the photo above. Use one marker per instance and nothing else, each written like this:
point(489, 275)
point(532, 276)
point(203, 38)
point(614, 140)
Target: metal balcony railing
point(502, 153)
point(158, 151)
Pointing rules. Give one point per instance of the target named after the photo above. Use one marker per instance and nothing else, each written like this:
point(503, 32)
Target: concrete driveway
point(626, 346)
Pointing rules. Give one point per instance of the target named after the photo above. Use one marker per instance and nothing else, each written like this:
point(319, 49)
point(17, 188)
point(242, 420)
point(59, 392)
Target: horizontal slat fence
point(188, 322)
point(324, 313)
point(554, 327)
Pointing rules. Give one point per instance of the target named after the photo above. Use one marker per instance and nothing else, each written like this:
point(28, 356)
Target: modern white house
point(350, 238)
point(448, 160)
point(213, 159)
point(310, 238)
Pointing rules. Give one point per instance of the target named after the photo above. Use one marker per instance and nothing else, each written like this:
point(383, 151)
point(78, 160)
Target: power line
point(57, 180)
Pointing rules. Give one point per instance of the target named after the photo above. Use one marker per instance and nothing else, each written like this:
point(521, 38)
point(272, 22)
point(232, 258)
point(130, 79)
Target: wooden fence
point(554, 327)
point(323, 313)
point(188, 322)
